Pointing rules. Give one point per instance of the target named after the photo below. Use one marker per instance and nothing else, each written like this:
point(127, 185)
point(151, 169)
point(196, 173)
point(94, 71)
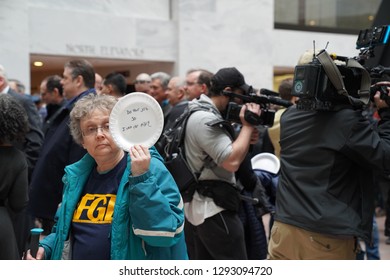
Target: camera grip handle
point(252, 118)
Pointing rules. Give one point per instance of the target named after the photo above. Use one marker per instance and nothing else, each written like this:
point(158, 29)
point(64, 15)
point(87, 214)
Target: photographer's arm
point(241, 145)
point(368, 144)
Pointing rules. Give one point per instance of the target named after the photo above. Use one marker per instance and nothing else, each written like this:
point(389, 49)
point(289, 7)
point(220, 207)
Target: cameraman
point(214, 229)
point(325, 198)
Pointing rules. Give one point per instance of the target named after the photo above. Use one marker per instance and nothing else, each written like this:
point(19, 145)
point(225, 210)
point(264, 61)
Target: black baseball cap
point(229, 77)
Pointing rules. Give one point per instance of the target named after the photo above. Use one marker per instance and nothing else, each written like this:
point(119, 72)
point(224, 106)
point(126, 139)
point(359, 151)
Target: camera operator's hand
point(380, 102)
point(252, 107)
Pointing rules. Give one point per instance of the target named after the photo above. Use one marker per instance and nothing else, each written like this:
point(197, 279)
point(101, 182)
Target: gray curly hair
point(83, 109)
point(13, 120)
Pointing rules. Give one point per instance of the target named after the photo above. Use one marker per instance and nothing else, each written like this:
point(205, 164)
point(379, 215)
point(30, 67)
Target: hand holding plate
point(140, 159)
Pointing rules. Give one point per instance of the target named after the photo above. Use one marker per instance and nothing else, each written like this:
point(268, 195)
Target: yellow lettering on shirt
point(95, 209)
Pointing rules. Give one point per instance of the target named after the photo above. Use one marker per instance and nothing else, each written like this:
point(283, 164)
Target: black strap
point(335, 76)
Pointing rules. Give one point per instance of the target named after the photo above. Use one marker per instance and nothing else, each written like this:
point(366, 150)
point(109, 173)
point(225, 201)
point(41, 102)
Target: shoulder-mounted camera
point(324, 85)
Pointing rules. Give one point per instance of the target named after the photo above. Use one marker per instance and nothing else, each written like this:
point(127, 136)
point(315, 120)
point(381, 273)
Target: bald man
point(142, 83)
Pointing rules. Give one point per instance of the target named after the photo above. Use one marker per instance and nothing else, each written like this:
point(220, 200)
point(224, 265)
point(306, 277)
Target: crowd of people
point(64, 173)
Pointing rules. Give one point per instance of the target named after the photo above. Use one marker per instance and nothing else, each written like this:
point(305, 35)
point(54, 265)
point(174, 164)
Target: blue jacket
point(148, 218)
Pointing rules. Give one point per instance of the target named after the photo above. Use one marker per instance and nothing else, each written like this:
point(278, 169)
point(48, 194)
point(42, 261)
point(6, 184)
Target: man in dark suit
point(52, 95)
point(31, 146)
point(59, 149)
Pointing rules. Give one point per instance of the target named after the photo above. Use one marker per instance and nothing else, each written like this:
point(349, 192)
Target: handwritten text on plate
point(134, 115)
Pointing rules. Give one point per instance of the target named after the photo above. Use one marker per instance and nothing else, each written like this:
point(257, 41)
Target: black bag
point(184, 178)
point(223, 193)
point(175, 159)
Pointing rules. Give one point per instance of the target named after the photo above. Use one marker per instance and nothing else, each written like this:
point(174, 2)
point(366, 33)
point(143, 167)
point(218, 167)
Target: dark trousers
point(220, 237)
point(384, 188)
point(387, 209)
point(22, 223)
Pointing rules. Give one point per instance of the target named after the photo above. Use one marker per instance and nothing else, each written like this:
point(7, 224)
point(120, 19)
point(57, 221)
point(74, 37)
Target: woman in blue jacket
point(115, 205)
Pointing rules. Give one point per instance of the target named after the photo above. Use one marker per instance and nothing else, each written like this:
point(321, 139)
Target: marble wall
point(14, 39)
point(223, 33)
point(174, 34)
point(71, 33)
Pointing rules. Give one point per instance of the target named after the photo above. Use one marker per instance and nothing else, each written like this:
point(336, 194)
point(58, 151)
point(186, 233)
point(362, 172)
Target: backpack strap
point(175, 135)
point(208, 161)
point(225, 125)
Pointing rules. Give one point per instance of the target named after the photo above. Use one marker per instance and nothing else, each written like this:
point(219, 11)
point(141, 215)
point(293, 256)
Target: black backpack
point(175, 158)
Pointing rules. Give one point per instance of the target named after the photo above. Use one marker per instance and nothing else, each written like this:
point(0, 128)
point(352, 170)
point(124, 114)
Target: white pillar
point(14, 40)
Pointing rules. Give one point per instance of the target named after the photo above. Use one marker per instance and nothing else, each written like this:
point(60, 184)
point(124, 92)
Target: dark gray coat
point(327, 163)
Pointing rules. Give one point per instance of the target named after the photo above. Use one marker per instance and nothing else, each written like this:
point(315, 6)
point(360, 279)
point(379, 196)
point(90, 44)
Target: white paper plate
point(136, 118)
point(266, 161)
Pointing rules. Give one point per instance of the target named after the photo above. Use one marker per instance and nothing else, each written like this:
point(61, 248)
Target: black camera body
point(317, 92)
point(266, 117)
point(372, 37)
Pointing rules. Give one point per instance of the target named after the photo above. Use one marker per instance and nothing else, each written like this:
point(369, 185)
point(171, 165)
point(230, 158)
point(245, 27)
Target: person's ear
point(79, 80)
point(110, 89)
point(56, 92)
point(181, 93)
point(226, 89)
point(204, 87)
point(82, 144)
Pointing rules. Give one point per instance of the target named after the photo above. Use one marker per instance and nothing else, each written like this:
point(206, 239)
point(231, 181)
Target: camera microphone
point(270, 96)
point(279, 101)
point(268, 92)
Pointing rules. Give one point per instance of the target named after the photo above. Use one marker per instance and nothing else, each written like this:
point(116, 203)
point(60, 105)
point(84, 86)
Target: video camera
point(323, 85)
point(264, 99)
